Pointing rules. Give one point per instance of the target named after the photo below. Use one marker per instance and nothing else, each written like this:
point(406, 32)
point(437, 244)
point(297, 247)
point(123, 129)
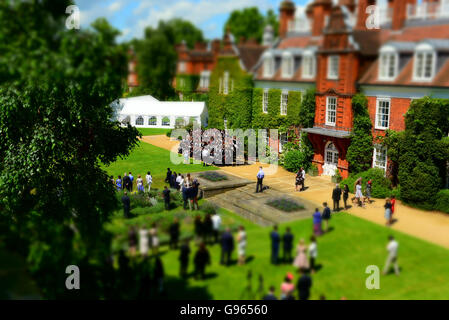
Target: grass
point(146, 157)
point(344, 252)
point(152, 131)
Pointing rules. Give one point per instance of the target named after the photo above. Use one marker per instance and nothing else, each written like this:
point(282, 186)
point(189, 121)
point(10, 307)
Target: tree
point(178, 30)
point(360, 150)
point(273, 20)
point(246, 23)
point(56, 127)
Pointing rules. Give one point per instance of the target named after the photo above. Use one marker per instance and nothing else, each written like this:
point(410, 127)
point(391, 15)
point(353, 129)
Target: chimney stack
point(399, 12)
point(362, 16)
point(287, 14)
point(321, 9)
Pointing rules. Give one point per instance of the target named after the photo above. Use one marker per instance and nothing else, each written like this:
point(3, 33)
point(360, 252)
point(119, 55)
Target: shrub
point(208, 208)
point(442, 202)
point(313, 170)
point(381, 186)
point(295, 159)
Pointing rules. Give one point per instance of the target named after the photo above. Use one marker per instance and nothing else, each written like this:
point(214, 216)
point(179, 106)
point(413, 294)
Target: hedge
point(295, 159)
point(381, 186)
point(442, 202)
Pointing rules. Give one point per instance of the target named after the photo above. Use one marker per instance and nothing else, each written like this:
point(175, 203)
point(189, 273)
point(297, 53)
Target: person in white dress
point(313, 253)
point(144, 242)
point(139, 183)
point(149, 180)
point(241, 242)
point(358, 191)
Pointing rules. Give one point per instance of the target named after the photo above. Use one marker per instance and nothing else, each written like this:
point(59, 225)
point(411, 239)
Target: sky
point(131, 17)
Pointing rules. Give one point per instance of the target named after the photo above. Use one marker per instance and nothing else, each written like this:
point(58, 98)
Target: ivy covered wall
point(236, 105)
point(186, 83)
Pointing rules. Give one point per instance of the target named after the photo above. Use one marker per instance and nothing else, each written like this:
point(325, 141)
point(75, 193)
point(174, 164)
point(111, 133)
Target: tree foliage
point(56, 128)
point(360, 150)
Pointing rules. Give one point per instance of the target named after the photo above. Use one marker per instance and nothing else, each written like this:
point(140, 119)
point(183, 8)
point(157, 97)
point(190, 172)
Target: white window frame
point(182, 66)
point(226, 83)
point(333, 67)
point(284, 103)
point(328, 122)
point(265, 99)
point(333, 152)
point(205, 79)
point(377, 149)
point(268, 65)
point(388, 59)
point(288, 65)
point(308, 65)
point(283, 139)
point(378, 114)
point(419, 70)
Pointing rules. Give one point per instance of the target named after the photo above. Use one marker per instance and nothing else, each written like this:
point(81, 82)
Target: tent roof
point(150, 106)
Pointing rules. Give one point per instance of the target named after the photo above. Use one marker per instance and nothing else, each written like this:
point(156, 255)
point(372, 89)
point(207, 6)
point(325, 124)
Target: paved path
point(430, 226)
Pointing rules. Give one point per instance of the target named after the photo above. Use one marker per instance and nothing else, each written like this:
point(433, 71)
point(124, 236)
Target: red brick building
point(404, 57)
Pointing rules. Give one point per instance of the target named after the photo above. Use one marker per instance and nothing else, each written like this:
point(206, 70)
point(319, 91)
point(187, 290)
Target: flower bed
point(213, 176)
point(285, 205)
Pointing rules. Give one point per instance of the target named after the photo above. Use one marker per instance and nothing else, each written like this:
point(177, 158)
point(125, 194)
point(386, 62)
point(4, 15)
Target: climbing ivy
point(186, 83)
point(360, 151)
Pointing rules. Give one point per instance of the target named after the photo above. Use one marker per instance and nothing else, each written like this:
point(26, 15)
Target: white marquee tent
point(148, 112)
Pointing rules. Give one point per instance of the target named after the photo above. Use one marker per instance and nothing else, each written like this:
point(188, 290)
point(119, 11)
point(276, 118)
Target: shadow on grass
point(176, 288)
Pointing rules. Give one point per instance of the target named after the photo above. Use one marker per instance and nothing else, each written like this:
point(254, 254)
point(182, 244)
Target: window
point(182, 67)
point(287, 65)
point(166, 121)
point(380, 157)
point(284, 103)
point(331, 154)
point(382, 113)
point(424, 65)
point(265, 101)
point(268, 66)
point(308, 66)
point(205, 79)
point(331, 111)
point(226, 83)
point(182, 82)
point(152, 121)
point(332, 67)
point(139, 121)
point(388, 66)
point(180, 122)
point(283, 140)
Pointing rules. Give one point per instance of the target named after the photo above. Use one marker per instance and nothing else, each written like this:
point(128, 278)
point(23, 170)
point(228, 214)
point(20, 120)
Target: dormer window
point(287, 65)
point(424, 63)
point(268, 65)
point(388, 64)
point(308, 65)
point(332, 67)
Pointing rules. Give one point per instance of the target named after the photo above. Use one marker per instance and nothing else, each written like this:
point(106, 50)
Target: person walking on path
point(126, 205)
point(317, 223)
point(358, 192)
point(298, 179)
point(336, 196)
point(287, 241)
point(393, 203)
point(227, 246)
point(184, 254)
point(387, 207)
point(241, 245)
point(174, 234)
point(304, 285)
point(168, 176)
point(301, 256)
point(260, 176)
point(326, 216)
point(287, 287)
point(303, 180)
point(368, 189)
point(216, 224)
point(313, 253)
point(392, 258)
point(345, 195)
point(149, 180)
point(201, 259)
point(166, 196)
point(275, 240)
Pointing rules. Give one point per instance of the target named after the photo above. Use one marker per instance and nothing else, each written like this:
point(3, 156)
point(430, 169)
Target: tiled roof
point(250, 55)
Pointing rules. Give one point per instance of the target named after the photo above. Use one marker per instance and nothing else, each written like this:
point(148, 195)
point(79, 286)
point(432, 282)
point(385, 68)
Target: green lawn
point(152, 131)
point(146, 157)
point(344, 252)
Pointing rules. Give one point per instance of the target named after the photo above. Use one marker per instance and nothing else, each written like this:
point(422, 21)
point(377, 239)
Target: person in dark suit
point(287, 241)
point(201, 259)
point(184, 253)
point(326, 216)
point(168, 176)
point(174, 234)
point(127, 182)
point(304, 285)
point(270, 295)
point(126, 205)
point(336, 196)
point(275, 240)
point(227, 245)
